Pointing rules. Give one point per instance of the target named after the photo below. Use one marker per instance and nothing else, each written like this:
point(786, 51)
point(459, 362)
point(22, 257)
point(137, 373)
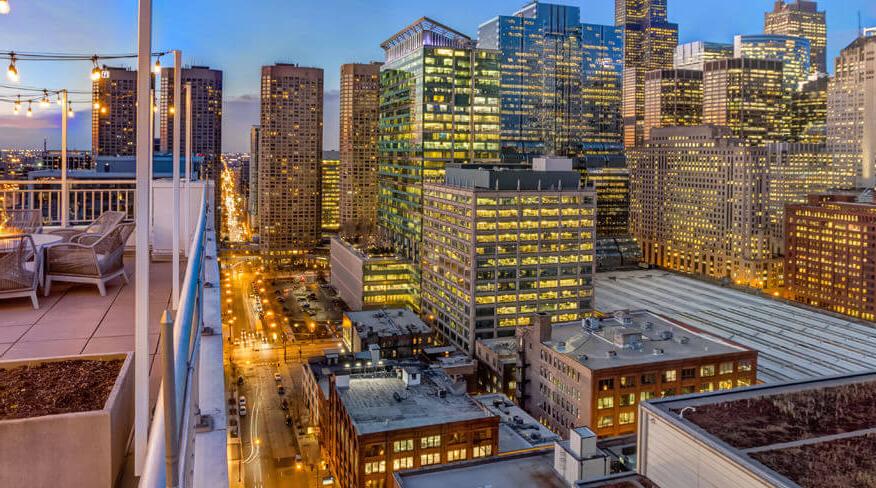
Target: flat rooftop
point(532, 469)
point(504, 347)
point(517, 429)
point(810, 433)
point(388, 322)
point(633, 338)
point(794, 342)
point(380, 402)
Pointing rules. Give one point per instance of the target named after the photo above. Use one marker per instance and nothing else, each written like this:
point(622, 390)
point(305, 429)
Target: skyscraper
point(801, 18)
point(290, 159)
point(206, 111)
point(809, 110)
point(330, 189)
point(253, 204)
point(792, 51)
point(673, 97)
point(851, 113)
point(748, 96)
point(693, 55)
point(500, 246)
point(114, 112)
point(439, 105)
point(360, 115)
point(601, 89)
point(649, 43)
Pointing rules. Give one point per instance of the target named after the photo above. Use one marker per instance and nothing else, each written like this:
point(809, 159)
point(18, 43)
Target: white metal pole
point(177, 108)
point(65, 190)
point(143, 210)
point(188, 196)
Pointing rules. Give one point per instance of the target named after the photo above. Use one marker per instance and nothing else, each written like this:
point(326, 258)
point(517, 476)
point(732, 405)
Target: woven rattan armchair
point(19, 276)
point(24, 220)
point(99, 226)
point(94, 259)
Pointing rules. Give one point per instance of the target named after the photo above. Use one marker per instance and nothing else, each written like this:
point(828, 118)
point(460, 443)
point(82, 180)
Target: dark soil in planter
point(841, 463)
point(763, 421)
point(56, 387)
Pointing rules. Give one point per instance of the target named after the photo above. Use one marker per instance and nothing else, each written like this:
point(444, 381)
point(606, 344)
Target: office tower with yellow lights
point(851, 113)
point(114, 112)
point(698, 204)
point(673, 97)
point(290, 161)
point(748, 96)
point(792, 51)
point(330, 183)
point(801, 18)
point(439, 104)
point(809, 110)
point(502, 245)
point(693, 55)
point(253, 204)
point(360, 116)
point(601, 90)
point(650, 42)
point(831, 252)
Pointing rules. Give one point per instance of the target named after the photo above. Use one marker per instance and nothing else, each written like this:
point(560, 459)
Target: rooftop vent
point(611, 354)
point(583, 357)
point(666, 335)
point(658, 351)
point(683, 340)
point(649, 325)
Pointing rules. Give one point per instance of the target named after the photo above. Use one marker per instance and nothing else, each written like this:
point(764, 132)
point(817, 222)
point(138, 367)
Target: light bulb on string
point(29, 109)
point(60, 101)
point(17, 106)
point(95, 71)
point(157, 68)
point(4, 7)
point(12, 72)
point(70, 112)
point(44, 102)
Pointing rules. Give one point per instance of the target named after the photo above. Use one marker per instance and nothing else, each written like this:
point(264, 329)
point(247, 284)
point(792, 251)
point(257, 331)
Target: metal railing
point(187, 325)
point(87, 198)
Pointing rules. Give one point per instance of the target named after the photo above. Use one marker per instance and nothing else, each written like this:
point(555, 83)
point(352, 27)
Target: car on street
point(288, 420)
point(281, 390)
point(284, 405)
point(277, 377)
point(240, 380)
point(242, 411)
point(241, 401)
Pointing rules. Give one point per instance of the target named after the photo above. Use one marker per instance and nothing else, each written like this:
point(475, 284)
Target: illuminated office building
point(673, 97)
point(253, 204)
point(831, 253)
point(649, 43)
point(809, 111)
point(368, 277)
point(360, 115)
point(746, 95)
point(601, 90)
point(290, 161)
point(114, 114)
point(793, 52)
point(503, 245)
point(851, 113)
point(330, 179)
point(801, 18)
point(693, 55)
point(439, 104)
point(698, 205)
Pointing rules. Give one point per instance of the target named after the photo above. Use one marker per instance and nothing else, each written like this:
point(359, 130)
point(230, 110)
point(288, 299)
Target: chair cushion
point(30, 266)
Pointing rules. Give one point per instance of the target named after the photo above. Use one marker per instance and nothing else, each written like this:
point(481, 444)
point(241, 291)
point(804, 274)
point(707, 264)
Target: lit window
point(745, 365)
point(627, 399)
point(626, 418)
point(430, 441)
point(375, 467)
point(707, 370)
point(456, 455)
point(645, 396)
point(627, 381)
point(605, 421)
point(604, 402)
point(482, 451)
point(706, 387)
point(726, 368)
point(402, 463)
point(430, 458)
point(725, 384)
point(670, 376)
point(606, 384)
point(402, 446)
point(743, 382)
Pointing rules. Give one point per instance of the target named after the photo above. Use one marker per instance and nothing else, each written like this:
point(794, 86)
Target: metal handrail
point(186, 343)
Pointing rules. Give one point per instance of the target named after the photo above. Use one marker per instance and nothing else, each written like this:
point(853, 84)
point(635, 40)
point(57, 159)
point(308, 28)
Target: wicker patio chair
point(19, 276)
point(101, 225)
point(24, 220)
point(95, 259)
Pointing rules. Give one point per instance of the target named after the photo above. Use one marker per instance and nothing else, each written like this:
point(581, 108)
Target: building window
point(726, 368)
point(430, 441)
point(685, 390)
point(707, 371)
point(743, 382)
point(705, 387)
point(645, 396)
point(604, 402)
point(667, 392)
point(627, 399)
point(626, 418)
point(375, 467)
point(402, 463)
point(606, 384)
point(605, 421)
point(481, 451)
point(688, 373)
point(379, 483)
point(455, 455)
point(649, 379)
point(481, 435)
point(627, 381)
point(457, 438)
point(402, 446)
point(725, 384)
point(430, 458)
point(744, 365)
point(670, 376)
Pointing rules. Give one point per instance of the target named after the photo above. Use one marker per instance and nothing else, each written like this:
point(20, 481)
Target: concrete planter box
point(71, 449)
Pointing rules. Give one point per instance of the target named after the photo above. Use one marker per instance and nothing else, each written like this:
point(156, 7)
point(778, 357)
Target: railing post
point(65, 190)
point(171, 436)
point(177, 105)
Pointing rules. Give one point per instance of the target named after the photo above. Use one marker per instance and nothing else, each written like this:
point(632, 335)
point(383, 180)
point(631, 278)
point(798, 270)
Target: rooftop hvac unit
point(611, 354)
point(658, 352)
point(666, 335)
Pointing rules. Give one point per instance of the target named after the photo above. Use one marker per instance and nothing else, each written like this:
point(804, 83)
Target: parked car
point(240, 380)
point(284, 404)
point(241, 401)
point(277, 377)
point(288, 420)
point(281, 390)
point(242, 411)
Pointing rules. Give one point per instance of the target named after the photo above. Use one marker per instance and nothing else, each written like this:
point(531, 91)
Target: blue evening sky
point(240, 36)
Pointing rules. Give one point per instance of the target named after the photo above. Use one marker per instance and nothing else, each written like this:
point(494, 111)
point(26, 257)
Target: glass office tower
point(792, 51)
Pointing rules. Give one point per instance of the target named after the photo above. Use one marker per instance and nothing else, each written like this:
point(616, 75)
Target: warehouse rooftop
point(388, 322)
point(793, 341)
point(517, 429)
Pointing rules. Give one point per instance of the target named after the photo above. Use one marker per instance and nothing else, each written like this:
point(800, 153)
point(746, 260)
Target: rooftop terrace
point(381, 401)
point(794, 342)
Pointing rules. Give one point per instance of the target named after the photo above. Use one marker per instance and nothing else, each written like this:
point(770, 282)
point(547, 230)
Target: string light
point(12, 72)
point(70, 113)
point(17, 107)
point(44, 102)
point(60, 102)
point(29, 110)
point(157, 68)
point(4, 7)
point(95, 71)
